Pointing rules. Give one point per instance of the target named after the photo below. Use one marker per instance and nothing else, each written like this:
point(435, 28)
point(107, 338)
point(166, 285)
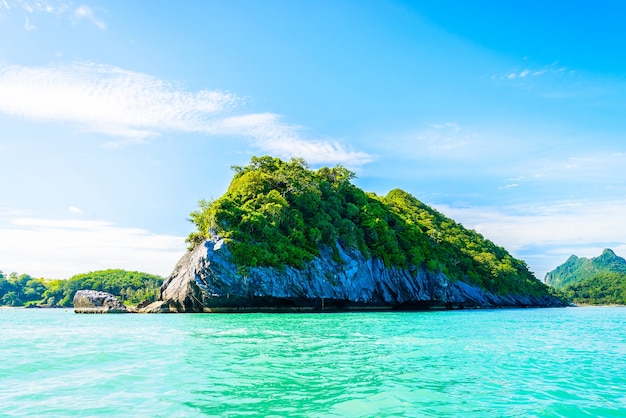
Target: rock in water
point(206, 280)
point(95, 301)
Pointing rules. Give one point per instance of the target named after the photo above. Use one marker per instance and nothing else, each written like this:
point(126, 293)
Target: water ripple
point(501, 363)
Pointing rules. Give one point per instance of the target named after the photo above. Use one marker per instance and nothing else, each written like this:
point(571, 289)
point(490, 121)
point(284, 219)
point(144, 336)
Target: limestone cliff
point(206, 280)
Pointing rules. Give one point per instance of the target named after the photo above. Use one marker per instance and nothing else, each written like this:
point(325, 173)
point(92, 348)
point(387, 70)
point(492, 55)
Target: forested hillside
point(277, 213)
point(596, 281)
point(130, 286)
point(601, 289)
point(578, 269)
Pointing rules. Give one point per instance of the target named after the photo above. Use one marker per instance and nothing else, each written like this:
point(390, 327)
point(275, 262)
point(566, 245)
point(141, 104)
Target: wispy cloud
point(282, 139)
point(454, 147)
point(55, 7)
point(36, 6)
point(132, 107)
point(61, 248)
point(105, 99)
point(448, 139)
point(27, 25)
point(85, 13)
point(453, 126)
point(59, 8)
point(598, 168)
point(527, 73)
point(545, 235)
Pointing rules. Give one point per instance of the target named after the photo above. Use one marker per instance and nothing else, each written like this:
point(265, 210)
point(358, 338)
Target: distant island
point(591, 281)
point(132, 287)
point(285, 237)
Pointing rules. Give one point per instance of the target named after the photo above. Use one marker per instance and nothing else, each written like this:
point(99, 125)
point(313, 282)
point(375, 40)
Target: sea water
point(474, 363)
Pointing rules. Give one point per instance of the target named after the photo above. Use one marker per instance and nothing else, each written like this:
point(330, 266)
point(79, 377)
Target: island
point(288, 238)
point(598, 280)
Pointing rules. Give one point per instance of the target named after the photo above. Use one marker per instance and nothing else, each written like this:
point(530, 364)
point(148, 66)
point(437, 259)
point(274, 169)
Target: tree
point(277, 213)
point(11, 299)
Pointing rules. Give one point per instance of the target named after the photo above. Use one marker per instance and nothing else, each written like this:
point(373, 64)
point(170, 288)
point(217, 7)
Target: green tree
point(11, 299)
point(605, 288)
point(132, 286)
point(277, 213)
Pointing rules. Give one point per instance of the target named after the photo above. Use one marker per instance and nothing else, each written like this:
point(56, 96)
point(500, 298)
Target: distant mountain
point(579, 269)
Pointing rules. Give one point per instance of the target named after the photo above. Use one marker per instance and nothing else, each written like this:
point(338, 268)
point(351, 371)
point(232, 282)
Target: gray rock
point(160, 307)
point(94, 301)
point(144, 303)
point(206, 280)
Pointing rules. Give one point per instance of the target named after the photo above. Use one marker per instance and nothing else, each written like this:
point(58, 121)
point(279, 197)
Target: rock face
point(94, 301)
point(205, 280)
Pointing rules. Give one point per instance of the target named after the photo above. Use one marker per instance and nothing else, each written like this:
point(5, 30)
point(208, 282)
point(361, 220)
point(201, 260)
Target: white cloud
point(548, 69)
point(61, 248)
point(602, 169)
point(105, 99)
point(448, 125)
point(134, 106)
point(447, 139)
point(74, 209)
point(545, 235)
point(284, 140)
point(450, 145)
point(27, 25)
point(36, 6)
point(49, 7)
point(85, 13)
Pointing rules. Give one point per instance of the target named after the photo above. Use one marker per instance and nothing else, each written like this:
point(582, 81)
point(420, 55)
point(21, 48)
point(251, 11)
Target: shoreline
point(329, 309)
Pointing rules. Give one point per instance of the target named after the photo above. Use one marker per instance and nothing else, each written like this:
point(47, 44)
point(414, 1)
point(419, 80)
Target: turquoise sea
point(473, 363)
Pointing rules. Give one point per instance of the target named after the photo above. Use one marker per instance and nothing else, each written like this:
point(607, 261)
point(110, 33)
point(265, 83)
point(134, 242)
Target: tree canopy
point(277, 213)
point(17, 290)
point(606, 288)
point(131, 286)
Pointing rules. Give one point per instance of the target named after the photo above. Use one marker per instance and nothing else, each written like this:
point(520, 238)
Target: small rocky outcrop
point(95, 301)
point(143, 303)
point(206, 280)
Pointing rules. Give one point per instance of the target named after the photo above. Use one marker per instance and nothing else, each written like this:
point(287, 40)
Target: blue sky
point(117, 117)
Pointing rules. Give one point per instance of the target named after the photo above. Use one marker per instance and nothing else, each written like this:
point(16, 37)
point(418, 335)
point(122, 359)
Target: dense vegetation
point(594, 281)
point(131, 286)
point(277, 213)
point(18, 290)
point(608, 288)
point(579, 269)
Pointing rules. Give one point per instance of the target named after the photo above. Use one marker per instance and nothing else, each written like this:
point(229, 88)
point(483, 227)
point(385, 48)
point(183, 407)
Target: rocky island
point(288, 238)
point(95, 301)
